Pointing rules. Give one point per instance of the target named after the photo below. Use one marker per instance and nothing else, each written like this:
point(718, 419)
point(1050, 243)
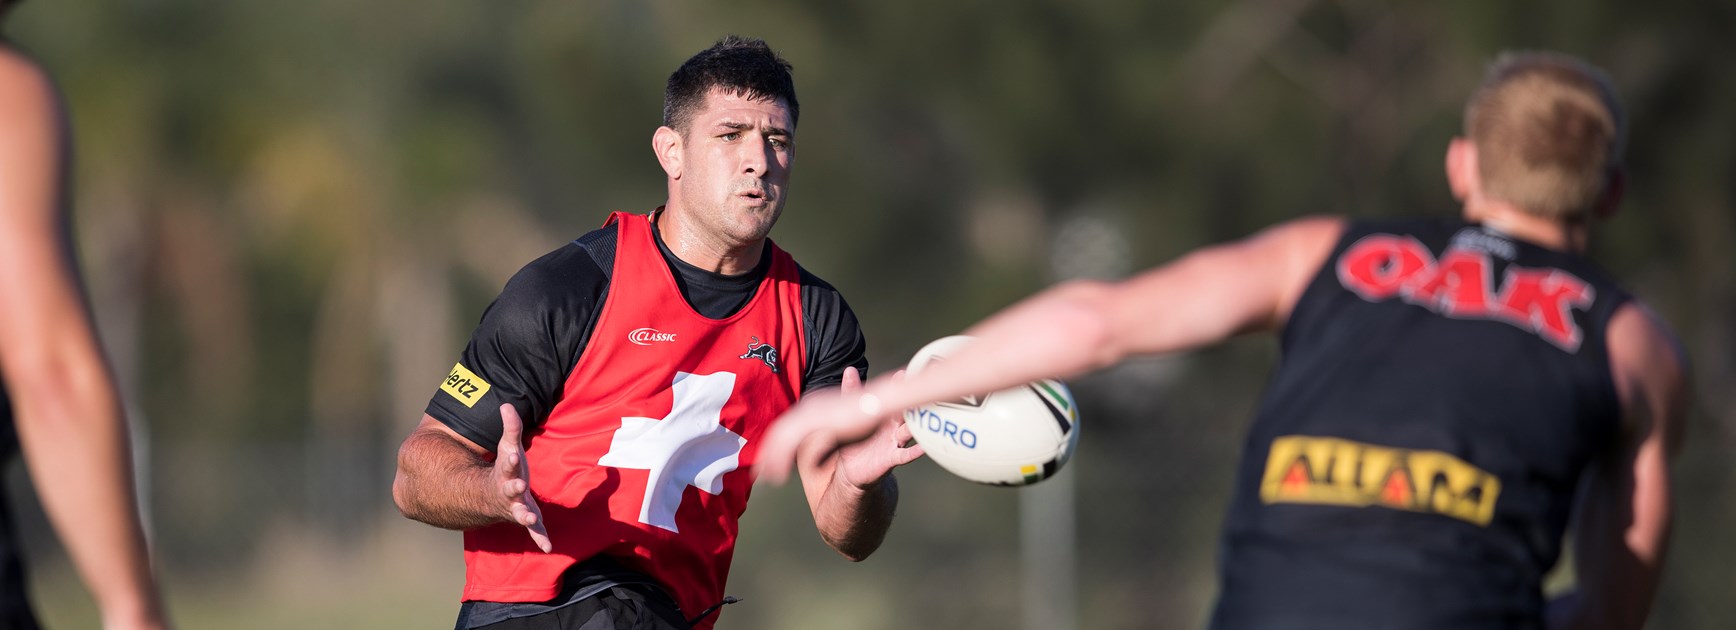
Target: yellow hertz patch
point(1331, 471)
point(464, 385)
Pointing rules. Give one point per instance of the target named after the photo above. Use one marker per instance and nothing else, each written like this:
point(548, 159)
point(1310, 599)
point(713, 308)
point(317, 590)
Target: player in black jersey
point(1452, 393)
point(59, 404)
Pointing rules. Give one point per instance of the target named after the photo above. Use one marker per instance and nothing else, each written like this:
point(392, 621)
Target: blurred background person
point(1452, 392)
point(59, 402)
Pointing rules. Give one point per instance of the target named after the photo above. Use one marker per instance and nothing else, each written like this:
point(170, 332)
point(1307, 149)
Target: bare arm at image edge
point(68, 415)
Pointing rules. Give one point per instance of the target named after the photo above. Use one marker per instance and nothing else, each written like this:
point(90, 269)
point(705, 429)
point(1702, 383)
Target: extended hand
point(866, 462)
point(825, 422)
point(512, 479)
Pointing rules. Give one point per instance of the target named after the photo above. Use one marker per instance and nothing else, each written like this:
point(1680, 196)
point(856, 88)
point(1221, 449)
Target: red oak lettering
point(1379, 267)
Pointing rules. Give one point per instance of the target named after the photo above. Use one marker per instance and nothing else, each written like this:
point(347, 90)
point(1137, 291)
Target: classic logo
point(1459, 285)
point(1331, 471)
point(764, 352)
point(648, 336)
point(464, 385)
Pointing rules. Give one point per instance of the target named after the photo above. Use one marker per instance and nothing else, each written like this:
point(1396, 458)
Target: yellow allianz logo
point(1331, 471)
point(464, 385)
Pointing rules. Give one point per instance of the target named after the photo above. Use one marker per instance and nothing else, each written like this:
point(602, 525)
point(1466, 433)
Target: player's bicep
point(40, 284)
point(1650, 375)
point(1217, 292)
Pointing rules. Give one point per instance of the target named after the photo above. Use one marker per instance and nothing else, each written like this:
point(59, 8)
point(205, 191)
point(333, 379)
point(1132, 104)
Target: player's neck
point(702, 248)
point(1557, 234)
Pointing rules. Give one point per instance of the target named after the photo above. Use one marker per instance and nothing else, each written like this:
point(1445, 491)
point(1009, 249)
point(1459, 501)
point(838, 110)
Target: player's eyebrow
point(742, 126)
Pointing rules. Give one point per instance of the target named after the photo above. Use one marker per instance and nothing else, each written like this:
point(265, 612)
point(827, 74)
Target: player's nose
point(754, 158)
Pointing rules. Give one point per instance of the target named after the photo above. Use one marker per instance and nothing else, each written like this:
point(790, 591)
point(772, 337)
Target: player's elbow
point(399, 496)
point(63, 390)
point(1084, 308)
point(855, 548)
point(403, 483)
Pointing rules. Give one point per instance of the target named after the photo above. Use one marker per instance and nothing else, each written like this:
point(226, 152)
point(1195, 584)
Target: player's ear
point(1613, 189)
point(666, 143)
point(1462, 168)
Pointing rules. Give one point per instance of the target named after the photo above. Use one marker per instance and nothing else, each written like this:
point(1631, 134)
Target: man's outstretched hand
point(512, 479)
point(826, 422)
point(889, 447)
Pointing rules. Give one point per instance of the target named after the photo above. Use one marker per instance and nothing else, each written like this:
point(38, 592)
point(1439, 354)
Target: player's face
point(736, 164)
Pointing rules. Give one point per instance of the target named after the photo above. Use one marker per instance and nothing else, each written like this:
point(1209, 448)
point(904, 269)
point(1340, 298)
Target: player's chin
point(755, 221)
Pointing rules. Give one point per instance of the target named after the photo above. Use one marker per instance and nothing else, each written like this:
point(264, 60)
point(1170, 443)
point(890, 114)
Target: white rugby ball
point(1014, 437)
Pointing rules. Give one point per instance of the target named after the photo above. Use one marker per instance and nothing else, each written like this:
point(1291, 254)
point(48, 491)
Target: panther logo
point(764, 352)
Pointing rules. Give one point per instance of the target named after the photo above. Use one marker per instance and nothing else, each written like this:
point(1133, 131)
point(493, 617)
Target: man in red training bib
point(595, 441)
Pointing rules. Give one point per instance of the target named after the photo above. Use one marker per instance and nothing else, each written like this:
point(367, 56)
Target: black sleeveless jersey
point(1414, 461)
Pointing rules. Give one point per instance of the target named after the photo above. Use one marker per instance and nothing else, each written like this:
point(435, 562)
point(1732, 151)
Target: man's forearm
point(442, 483)
point(854, 520)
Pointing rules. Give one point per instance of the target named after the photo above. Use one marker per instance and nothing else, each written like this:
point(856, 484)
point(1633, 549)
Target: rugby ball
point(1013, 437)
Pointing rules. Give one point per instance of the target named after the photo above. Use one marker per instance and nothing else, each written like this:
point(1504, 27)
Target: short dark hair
point(742, 65)
point(1549, 132)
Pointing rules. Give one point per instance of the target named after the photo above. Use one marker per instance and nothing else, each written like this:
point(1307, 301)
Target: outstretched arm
point(852, 492)
point(1622, 522)
point(68, 414)
point(445, 480)
point(1205, 297)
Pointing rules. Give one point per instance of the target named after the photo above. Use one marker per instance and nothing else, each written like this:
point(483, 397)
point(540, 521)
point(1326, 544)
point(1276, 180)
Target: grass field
point(403, 576)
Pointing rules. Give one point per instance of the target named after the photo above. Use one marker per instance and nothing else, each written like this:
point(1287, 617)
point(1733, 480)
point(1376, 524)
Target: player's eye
point(731, 136)
point(779, 142)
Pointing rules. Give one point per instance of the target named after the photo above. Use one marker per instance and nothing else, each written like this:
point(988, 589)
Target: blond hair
point(1549, 133)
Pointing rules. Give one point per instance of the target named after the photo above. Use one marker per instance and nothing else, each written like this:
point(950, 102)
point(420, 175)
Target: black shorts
point(620, 607)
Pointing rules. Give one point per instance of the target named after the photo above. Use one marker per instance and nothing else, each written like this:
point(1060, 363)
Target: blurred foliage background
point(292, 213)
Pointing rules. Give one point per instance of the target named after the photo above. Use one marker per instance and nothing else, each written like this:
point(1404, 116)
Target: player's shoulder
point(1303, 243)
point(1648, 365)
point(1638, 333)
point(21, 72)
point(573, 275)
point(818, 294)
point(809, 279)
point(27, 94)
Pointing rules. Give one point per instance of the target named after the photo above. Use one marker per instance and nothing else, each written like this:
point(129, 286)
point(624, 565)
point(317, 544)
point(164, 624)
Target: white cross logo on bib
point(691, 447)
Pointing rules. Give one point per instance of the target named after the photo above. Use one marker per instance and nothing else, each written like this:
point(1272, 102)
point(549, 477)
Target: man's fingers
point(540, 536)
point(901, 434)
point(910, 454)
point(523, 515)
point(852, 380)
point(511, 429)
point(529, 515)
